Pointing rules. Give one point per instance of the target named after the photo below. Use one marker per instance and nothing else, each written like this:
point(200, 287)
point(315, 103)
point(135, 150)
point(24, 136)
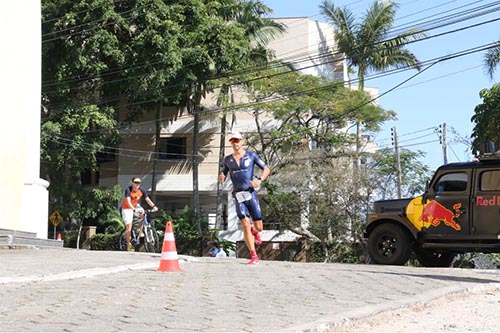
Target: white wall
point(310, 46)
point(24, 195)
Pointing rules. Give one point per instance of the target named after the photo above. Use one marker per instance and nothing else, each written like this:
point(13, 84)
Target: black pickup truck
point(459, 212)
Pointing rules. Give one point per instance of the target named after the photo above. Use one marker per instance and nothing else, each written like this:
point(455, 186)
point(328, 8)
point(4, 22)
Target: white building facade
point(25, 195)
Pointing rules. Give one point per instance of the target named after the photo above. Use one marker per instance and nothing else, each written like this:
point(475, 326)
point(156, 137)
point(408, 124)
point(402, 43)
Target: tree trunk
point(196, 149)
point(80, 227)
point(361, 87)
point(222, 143)
point(156, 154)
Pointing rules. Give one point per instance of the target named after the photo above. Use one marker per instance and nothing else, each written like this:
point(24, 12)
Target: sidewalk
point(77, 290)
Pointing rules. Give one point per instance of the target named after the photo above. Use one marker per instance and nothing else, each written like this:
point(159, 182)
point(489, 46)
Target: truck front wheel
point(389, 244)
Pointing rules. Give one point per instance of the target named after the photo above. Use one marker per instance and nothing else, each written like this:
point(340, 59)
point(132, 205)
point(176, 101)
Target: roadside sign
point(55, 218)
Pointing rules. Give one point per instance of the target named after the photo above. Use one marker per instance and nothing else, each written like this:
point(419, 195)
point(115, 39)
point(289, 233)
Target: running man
point(240, 165)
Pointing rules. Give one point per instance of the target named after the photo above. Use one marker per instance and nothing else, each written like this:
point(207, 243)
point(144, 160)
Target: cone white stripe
point(169, 236)
point(171, 255)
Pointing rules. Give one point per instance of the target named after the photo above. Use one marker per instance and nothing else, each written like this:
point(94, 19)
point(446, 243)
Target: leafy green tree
point(213, 47)
point(108, 218)
point(383, 174)
point(333, 204)
point(68, 150)
point(260, 29)
point(486, 118)
point(100, 57)
point(321, 208)
point(367, 45)
point(308, 108)
point(80, 43)
point(308, 147)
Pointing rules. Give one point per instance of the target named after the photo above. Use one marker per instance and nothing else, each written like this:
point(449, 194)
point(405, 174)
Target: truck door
point(486, 203)
point(446, 211)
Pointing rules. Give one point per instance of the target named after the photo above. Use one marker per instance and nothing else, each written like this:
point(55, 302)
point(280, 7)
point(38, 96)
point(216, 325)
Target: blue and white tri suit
point(241, 176)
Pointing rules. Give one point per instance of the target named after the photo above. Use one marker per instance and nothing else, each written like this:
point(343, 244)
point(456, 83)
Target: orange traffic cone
point(59, 238)
point(169, 261)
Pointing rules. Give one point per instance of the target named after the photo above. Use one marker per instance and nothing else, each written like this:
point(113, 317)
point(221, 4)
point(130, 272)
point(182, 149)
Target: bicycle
point(147, 231)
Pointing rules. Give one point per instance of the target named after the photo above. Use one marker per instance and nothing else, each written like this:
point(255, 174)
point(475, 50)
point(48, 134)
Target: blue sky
point(447, 92)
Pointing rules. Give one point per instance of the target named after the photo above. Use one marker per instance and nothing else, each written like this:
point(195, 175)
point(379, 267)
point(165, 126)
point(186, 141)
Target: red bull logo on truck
point(432, 213)
point(435, 213)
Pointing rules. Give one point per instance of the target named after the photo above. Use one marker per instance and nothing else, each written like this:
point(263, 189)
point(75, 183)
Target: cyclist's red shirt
point(135, 196)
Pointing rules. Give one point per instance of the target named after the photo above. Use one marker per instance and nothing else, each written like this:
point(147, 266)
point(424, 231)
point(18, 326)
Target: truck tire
point(435, 259)
point(389, 244)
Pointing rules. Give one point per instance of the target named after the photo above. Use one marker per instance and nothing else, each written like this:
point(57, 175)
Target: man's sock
point(252, 229)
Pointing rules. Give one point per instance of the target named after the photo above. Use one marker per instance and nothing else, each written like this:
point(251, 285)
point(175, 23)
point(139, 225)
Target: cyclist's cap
point(235, 135)
point(136, 180)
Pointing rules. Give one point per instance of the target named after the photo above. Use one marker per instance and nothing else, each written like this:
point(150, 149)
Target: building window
point(107, 155)
point(173, 149)
point(88, 177)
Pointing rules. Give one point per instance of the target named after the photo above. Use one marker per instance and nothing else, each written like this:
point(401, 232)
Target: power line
point(367, 78)
point(419, 143)
point(447, 19)
point(90, 23)
point(417, 138)
point(141, 102)
point(120, 97)
point(77, 13)
point(283, 97)
point(418, 131)
point(230, 74)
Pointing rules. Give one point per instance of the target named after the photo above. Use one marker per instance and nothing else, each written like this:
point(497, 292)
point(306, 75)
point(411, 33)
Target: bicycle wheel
point(151, 240)
point(123, 242)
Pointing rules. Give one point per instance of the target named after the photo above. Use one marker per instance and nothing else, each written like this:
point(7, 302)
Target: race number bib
point(243, 196)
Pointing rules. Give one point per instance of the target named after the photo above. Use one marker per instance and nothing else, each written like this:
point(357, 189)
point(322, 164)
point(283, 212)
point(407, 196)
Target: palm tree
point(367, 45)
point(261, 30)
point(492, 59)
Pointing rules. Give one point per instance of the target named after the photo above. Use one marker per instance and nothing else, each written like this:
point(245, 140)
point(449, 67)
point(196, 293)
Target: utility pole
point(445, 144)
point(394, 134)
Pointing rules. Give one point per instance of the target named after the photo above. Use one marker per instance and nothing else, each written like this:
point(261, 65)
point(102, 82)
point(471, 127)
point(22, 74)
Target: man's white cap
point(235, 135)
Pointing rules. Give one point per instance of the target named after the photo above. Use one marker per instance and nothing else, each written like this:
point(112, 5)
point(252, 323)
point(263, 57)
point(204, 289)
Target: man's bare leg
point(249, 241)
point(256, 228)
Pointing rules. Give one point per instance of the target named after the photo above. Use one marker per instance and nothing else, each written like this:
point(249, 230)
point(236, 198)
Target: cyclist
point(131, 205)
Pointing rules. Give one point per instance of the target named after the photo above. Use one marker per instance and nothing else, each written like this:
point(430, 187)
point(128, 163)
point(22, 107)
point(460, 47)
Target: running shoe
point(257, 238)
point(130, 248)
point(254, 260)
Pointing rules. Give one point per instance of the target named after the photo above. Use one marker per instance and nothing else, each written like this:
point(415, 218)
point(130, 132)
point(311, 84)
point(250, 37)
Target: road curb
point(345, 320)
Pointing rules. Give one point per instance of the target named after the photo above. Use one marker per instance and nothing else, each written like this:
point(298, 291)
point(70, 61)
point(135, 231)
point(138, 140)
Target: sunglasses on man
point(234, 140)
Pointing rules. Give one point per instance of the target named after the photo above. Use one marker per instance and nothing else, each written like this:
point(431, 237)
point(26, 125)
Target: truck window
point(490, 181)
point(451, 182)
